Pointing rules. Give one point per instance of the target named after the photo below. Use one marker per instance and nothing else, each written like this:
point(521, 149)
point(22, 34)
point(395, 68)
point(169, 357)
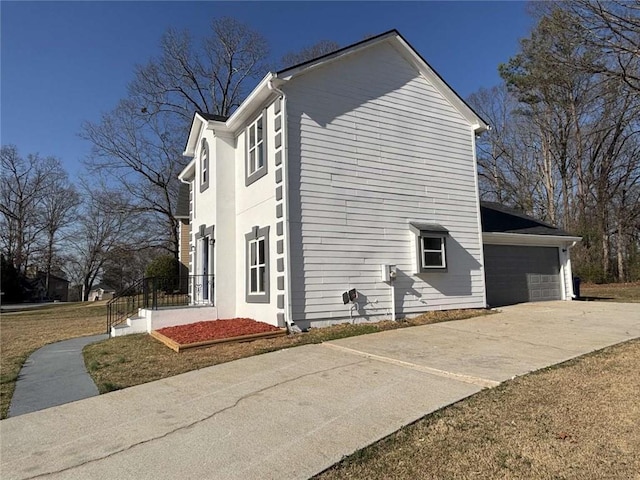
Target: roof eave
point(259, 95)
point(509, 238)
point(188, 173)
point(478, 124)
point(294, 71)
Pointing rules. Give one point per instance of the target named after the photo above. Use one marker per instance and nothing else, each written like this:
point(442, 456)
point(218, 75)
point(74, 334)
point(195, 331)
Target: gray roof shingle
point(497, 218)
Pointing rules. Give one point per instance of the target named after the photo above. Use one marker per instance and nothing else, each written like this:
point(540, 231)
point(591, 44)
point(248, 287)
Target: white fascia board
point(194, 133)
point(409, 54)
point(196, 129)
point(188, 173)
point(252, 103)
point(308, 66)
point(413, 57)
point(500, 238)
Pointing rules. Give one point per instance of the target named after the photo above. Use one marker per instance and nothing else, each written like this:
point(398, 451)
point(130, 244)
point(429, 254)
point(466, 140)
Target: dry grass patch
point(134, 359)
point(613, 292)
point(25, 331)
point(578, 420)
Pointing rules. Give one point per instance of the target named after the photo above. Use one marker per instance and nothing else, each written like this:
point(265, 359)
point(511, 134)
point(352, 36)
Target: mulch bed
point(204, 334)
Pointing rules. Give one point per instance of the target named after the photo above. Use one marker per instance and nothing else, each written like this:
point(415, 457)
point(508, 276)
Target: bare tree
point(139, 144)
point(305, 54)
point(28, 204)
point(105, 224)
point(565, 144)
point(613, 27)
point(57, 214)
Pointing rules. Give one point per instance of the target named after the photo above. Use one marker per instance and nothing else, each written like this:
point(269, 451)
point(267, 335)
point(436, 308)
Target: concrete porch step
point(133, 325)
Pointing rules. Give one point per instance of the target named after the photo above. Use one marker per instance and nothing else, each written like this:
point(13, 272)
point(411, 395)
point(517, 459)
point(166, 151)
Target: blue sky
point(66, 62)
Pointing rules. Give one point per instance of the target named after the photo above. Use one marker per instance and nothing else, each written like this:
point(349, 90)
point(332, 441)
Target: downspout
point(567, 265)
point(476, 184)
point(291, 326)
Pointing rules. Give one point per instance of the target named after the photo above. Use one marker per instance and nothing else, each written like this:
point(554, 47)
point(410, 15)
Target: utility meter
point(389, 273)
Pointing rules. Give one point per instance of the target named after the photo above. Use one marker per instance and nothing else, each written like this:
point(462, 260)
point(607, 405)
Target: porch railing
point(157, 292)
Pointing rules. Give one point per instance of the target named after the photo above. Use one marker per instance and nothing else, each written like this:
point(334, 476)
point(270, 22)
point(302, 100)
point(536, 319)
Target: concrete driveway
point(293, 413)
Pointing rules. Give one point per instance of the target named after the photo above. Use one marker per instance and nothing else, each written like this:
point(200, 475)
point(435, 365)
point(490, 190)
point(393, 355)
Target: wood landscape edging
point(178, 347)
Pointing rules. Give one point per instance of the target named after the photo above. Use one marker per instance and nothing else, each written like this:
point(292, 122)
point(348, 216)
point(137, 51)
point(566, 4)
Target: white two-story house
point(344, 189)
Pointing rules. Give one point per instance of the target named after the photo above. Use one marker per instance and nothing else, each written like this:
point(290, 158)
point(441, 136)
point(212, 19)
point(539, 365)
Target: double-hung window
point(256, 161)
point(433, 252)
point(204, 166)
point(257, 244)
point(431, 246)
point(257, 266)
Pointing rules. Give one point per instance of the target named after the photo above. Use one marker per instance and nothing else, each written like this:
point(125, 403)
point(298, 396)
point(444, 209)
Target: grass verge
point(612, 292)
point(135, 359)
point(25, 331)
point(577, 420)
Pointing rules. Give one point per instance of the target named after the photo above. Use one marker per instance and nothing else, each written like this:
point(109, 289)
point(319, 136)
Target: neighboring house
point(353, 171)
point(101, 292)
point(56, 290)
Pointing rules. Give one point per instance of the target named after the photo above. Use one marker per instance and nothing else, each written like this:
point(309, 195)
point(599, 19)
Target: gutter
point(508, 238)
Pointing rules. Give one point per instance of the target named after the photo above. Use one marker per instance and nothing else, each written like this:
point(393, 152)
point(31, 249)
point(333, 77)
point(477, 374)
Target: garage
point(516, 274)
point(525, 260)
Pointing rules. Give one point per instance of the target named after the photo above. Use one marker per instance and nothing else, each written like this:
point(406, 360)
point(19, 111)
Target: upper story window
point(256, 157)
point(204, 166)
point(431, 248)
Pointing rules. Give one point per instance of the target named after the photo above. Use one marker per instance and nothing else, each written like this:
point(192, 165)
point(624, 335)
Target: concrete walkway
point(54, 375)
point(291, 414)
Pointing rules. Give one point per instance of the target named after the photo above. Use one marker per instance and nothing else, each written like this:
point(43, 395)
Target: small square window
point(433, 252)
point(431, 246)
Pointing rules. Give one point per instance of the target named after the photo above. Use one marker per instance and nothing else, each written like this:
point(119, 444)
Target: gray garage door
point(521, 274)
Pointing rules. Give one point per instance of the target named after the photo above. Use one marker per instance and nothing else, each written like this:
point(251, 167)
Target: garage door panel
point(517, 274)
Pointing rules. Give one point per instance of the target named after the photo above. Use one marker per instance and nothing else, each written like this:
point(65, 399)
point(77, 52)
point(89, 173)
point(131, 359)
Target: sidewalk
point(54, 375)
point(292, 413)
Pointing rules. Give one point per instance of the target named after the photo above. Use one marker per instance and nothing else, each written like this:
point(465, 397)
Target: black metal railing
point(158, 292)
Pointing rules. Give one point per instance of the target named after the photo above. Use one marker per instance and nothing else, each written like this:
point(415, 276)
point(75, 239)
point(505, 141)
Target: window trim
point(254, 236)
point(260, 172)
point(204, 165)
point(426, 230)
point(442, 251)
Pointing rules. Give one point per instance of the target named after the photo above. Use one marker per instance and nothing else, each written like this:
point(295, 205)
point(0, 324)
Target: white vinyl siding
point(372, 146)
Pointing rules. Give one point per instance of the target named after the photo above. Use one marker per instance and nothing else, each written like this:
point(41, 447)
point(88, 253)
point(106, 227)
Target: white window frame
point(204, 165)
point(256, 149)
point(257, 265)
point(254, 263)
point(424, 251)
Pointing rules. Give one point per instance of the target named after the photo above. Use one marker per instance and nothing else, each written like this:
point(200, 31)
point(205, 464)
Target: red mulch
point(215, 329)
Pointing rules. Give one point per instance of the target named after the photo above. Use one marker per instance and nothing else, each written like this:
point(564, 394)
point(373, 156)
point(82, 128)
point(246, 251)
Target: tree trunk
point(621, 253)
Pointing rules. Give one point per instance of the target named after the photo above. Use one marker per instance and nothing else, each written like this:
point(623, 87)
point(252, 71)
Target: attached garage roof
point(497, 218)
